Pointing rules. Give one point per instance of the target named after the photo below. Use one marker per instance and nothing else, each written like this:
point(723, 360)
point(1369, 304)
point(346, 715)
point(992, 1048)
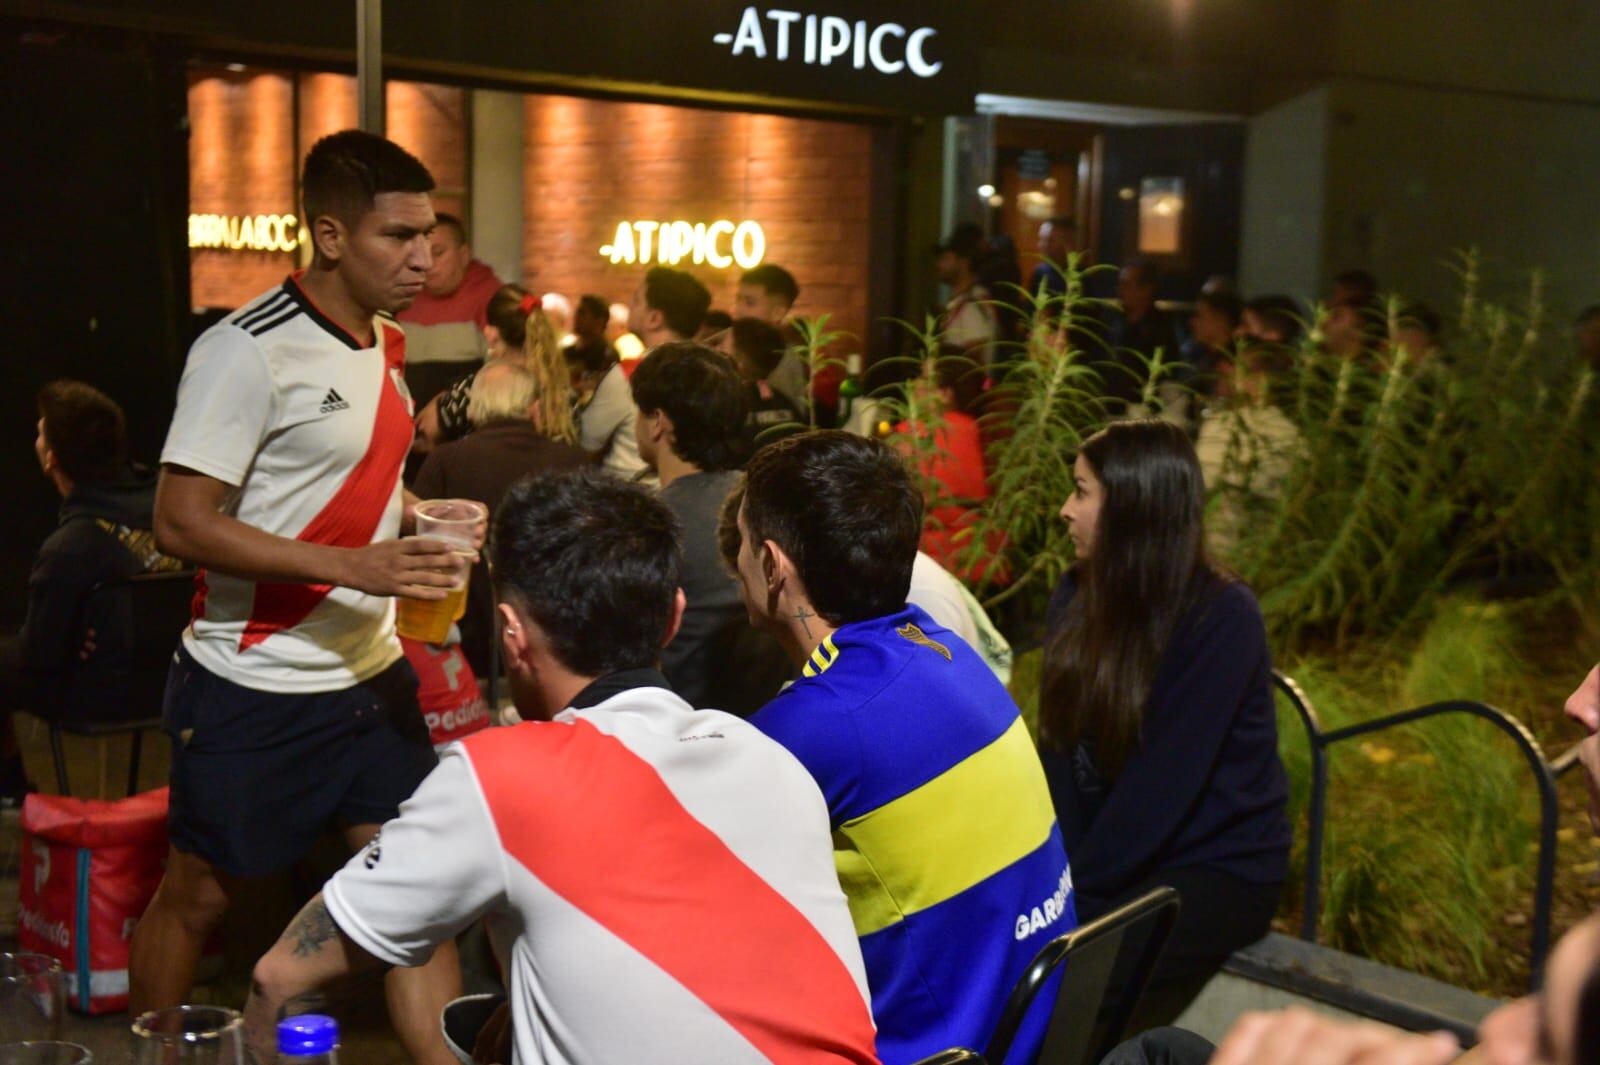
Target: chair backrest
point(1082, 1028)
point(137, 621)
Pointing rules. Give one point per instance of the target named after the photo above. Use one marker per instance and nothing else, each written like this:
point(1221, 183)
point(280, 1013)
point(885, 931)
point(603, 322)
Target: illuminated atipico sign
point(260, 232)
point(719, 244)
point(820, 40)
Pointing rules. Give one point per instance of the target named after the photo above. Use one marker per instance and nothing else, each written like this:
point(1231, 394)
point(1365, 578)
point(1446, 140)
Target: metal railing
point(1545, 774)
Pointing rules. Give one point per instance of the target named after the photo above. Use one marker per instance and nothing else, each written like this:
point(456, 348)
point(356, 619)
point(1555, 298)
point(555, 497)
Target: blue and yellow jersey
point(944, 836)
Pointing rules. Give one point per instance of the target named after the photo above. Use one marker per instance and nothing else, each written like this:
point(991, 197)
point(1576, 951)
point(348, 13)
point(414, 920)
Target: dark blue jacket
point(1205, 787)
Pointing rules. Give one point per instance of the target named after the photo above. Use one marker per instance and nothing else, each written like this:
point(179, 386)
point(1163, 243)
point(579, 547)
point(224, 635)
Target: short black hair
point(1423, 317)
point(595, 561)
point(760, 343)
point(345, 171)
point(681, 299)
point(1362, 285)
point(959, 372)
point(965, 240)
point(716, 320)
point(446, 220)
point(1224, 301)
point(774, 280)
point(845, 511)
point(595, 307)
point(85, 429)
point(1144, 271)
point(703, 394)
point(1280, 312)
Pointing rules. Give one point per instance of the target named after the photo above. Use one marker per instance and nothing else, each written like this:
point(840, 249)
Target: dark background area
point(96, 272)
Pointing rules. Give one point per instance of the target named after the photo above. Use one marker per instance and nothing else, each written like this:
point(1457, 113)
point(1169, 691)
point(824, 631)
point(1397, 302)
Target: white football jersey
point(658, 883)
point(312, 428)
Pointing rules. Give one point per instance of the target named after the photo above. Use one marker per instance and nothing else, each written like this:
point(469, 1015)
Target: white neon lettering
point(682, 236)
point(749, 35)
point(875, 48)
point(713, 256)
point(835, 38)
point(831, 37)
point(749, 245)
point(261, 232)
point(783, 20)
point(645, 231)
point(620, 250)
point(719, 244)
point(919, 66)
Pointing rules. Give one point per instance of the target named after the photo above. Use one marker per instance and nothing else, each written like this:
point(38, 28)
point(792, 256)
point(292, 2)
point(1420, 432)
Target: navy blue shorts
point(258, 776)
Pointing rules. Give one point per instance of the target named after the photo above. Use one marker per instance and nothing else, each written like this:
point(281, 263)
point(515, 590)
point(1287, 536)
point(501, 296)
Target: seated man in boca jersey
point(657, 880)
point(944, 836)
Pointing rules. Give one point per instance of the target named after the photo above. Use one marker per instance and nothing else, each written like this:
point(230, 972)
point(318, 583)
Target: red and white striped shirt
point(312, 427)
point(658, 883)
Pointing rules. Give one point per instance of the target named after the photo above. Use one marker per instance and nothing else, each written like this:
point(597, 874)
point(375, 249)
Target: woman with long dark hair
point(1156, 719)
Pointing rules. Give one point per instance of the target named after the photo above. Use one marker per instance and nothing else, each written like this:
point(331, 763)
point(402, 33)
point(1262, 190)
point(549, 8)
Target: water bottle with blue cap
point(309, 1039)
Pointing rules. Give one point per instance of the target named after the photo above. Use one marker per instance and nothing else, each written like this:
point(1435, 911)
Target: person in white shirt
point(290, 705)
point(947, 601)
point(657, 881)
point(668, 305)
point(967, 321)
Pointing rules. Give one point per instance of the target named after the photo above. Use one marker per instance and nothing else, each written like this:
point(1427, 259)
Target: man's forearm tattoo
point(312, 928)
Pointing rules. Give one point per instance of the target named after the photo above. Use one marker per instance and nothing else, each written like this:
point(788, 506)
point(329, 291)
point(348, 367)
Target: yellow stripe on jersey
point(934, 842)
point(824, 656)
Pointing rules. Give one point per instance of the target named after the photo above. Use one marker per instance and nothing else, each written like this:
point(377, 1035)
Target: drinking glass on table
point(189, 1035)
point(33, 992)
point(456, 522)
point(44, 1052)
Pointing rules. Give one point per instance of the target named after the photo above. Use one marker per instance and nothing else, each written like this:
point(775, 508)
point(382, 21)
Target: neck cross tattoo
point(801, 615)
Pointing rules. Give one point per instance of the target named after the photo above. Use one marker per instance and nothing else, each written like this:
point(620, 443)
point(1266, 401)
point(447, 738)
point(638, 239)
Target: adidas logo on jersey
point(333, 401)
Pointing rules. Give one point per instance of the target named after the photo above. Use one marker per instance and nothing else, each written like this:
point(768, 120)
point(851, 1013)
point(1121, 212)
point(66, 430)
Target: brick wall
point(589, 164)
point(244, 157)
point(241, 131)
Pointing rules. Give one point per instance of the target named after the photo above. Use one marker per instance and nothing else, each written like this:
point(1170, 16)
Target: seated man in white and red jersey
point(290, 706)
point(657, 881)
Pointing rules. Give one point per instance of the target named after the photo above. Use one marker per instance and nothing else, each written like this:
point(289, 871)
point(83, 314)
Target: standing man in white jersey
point(290, 705)
point(658, 881)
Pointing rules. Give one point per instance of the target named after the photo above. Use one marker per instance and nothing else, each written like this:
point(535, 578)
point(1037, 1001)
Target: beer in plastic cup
point(454, 521)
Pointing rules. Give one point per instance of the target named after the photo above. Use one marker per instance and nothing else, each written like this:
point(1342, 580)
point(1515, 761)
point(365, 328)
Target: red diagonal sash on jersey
point(351, 517)
point(598, 826)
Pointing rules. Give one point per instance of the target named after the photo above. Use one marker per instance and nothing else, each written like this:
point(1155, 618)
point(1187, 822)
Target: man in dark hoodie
point(103, 534)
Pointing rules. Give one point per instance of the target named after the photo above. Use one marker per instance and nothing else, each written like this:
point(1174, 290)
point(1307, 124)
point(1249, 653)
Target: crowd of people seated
point(769, 797)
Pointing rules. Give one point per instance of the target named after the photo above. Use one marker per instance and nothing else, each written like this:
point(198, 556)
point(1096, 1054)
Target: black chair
point(954, 1056)
point(137, 622)
point(1083, 1026)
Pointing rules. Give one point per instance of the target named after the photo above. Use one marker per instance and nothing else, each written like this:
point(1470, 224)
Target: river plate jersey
point(656, 881)
point(944, 837)
point(311, 428)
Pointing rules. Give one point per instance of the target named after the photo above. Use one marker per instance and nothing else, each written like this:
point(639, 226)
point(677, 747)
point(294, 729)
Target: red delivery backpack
point(447, 690)
point(89, 869)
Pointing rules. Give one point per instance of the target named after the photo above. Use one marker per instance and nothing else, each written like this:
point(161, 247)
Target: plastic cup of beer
point(456, 522)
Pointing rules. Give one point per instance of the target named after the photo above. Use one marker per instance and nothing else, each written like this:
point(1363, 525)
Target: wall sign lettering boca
point(669, 243)
point(816, 40)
